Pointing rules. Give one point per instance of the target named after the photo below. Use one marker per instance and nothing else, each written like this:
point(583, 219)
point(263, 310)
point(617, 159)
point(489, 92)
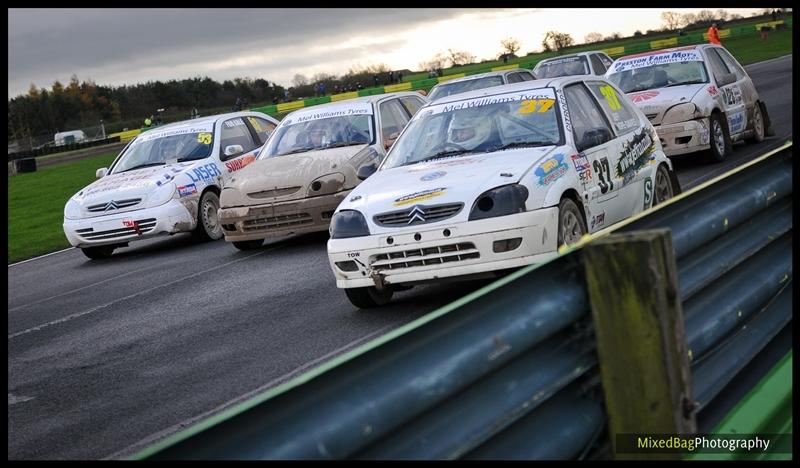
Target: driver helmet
point(169, 149)
point(469, 128)
point(317, 134)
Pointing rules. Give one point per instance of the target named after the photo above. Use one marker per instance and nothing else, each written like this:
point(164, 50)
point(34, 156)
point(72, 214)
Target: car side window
point(235, 132)
point(607, 61)
point(393, 118)
point(732, 64)
point(617, 107)
point(412, 104)
point(585, 114)
point(526, 76)
point(514, 78)
point(717, 65)
point(597, 65)
point(262, 127)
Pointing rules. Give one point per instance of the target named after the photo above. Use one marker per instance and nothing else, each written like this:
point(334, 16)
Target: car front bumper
point(279, 219)
point(684, 137)
point(169, 218)
point(467, 250)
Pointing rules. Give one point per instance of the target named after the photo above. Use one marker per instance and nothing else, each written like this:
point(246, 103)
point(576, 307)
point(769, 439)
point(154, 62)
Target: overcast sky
point(128, 46)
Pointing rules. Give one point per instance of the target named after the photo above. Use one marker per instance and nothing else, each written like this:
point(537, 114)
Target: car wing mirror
point(390, 140)
point(366, 171)
point(101, 172)
point(594, 137)
point(231, 150)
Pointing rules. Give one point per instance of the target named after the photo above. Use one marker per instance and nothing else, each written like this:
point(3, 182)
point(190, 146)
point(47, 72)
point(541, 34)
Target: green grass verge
point(750, 49)
point(36, 205)
point(36, 200)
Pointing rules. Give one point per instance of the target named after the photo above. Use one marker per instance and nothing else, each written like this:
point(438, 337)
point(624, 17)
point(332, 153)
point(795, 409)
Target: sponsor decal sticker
point(598, 220)
point(204, 138)
point(657, 59)
point(543, 97)
point(204, 173)
point(343, 110)
point(530, 105)
point(186, 190)
point(732, 95)
point(239, 163)
point(712, 90)
point(636, 153)
point(582, 166)
point(736, 122)
point(643, 96)
point(551, 170)
point(432, 176)
point(648, 193)
point(419, 196)
point(132, 224)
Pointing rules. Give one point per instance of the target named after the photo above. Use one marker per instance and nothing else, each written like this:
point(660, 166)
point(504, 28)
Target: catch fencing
point(511, 370)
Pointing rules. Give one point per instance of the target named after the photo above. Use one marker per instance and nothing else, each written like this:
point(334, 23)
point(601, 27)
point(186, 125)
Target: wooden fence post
point(638, 322)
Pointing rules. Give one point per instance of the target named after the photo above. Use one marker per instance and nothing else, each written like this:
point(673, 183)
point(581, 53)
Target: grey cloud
point(48, 44)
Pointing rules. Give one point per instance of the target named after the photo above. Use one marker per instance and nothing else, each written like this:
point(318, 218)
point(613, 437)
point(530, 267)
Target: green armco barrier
point(418, 81)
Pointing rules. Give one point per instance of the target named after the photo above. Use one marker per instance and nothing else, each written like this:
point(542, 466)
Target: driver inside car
point(472, 131)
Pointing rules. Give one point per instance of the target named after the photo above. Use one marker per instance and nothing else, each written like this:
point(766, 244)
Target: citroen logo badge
point(416, 214)
point(112, 205)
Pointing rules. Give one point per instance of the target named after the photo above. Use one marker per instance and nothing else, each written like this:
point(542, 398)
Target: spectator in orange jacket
point(713, 34)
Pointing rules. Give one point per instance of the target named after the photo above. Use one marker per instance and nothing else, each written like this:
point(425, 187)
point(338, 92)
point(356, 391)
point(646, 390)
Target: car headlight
point(500, 201)
point(680, 113)
point(161, 195)
point(348, 223)
point(72, 210)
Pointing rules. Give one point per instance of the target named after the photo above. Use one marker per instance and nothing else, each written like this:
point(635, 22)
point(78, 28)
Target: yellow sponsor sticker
point(204, 138)
point(529, 105)
point(419, 196)
point(611, 97)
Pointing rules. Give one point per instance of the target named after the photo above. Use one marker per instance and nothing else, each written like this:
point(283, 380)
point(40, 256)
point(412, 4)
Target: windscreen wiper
point(685, 83)
point(519, 144)
point(143, 165)
point(445, 154)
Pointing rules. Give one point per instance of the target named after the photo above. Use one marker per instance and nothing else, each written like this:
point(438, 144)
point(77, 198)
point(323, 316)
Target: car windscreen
point(162, 147)
point(479, 125)
point(658, 71)
point(566, 66)
point(317, 130)
point(448, 89)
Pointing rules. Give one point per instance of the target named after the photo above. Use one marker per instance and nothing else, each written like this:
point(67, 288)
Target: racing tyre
point(571, 225)
point(96, 253)
point(758, 125)
point(249, 245)
point(720, 139)
point(369, 297)
point(663, 189)
point(208, 226)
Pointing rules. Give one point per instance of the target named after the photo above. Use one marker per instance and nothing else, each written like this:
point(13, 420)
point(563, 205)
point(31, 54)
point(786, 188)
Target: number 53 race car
point(494, 179)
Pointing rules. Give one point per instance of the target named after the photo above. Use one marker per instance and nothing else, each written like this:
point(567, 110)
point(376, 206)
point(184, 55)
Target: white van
point(72, 136)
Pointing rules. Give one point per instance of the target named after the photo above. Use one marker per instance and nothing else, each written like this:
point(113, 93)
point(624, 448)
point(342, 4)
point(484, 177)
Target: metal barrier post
point(638, 320)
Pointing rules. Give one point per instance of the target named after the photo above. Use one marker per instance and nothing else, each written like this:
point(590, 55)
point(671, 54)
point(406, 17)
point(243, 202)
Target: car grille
point(145, 226)
point(113, 205)
point(426, 256)
point(277, 222)
point(278, 192)
point(418, 214)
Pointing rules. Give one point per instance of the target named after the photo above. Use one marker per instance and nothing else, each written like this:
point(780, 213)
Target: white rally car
point(697, 98)
point(166, 180)
point(495, 179)
point(591, 62)
point(479, 81)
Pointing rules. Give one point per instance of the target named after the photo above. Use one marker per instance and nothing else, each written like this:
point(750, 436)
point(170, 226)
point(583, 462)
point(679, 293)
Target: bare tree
point(299, 80)
point(554, 40)
point(322, 76)
point(688, 19)
point(722, 15)
point(705, 16)
point(672, 20)
point(613, 36)
point(437, 62)
point(510, 46)
point(460, 57)
point(593, 37)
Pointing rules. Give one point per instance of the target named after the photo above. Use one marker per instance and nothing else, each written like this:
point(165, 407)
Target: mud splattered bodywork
point(287, 195)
